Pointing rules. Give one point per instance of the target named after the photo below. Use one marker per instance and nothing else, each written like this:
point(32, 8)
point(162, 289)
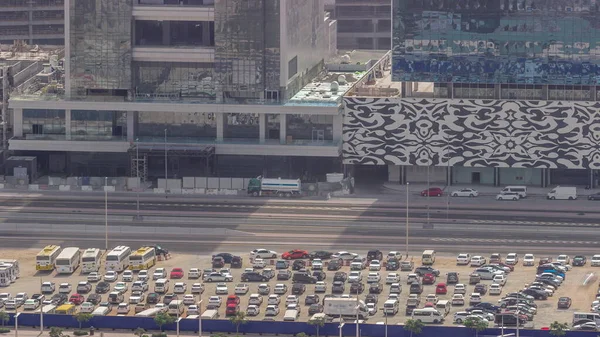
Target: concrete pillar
point(68, 124)
point(262, 127)
point(594, 93)
point(496, 176)
point(166, 33)
point(545, 92)
point(450, 87)
point(206, 32)
point(131, 131)
point(338, 124)
point(18, 122)
point(283, 128)
point(220, 126)
point(394, 173)
point(497, 91)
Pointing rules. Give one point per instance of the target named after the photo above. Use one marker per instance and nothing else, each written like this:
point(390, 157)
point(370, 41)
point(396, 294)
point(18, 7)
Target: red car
point(441, 289)
point(232, 309)
point(233, 299)
point(432, 192)
point(76, 299)
point(176, 273)
point(295, 254)
point(429, 279)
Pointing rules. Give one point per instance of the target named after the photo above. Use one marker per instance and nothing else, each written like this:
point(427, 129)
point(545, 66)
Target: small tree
point(238, 319)
point(301, 334)
point(415, 326)
point(162, 318)
point(558, 329)
point(139, 332)
point(57, 332)
point(4, 317)
point(83, 317)
point(318, 323)
point(476, 324)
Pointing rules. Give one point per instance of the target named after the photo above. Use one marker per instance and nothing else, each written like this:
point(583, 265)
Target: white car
point(508, 196)
point(264, 289)
point(465, 192)
point(252, 310)
point(193, 309)
point(431, 298)
point(292, 299)
point(528, 260)
point(392, 278)
point(121, 287)
point(139, 286)
point(123, 308)
point(373, 277)
point(31, 304)
point(321, 287)
point(259, 263)
point(499, 279)
point(512, 258)
point(550, 292)
point(94, 277)
point(65, 288)
point(194, 273)
point(143, 275)
point(127, 276)
point(12, 304)
point(197, 288)
point(563, 259)
point(477, 261)
point(241, 289)
point(460, 316)
point(412, 278)
point(280, 289)
point(458, 299)
point(394, 254)
point(274, 299)
point(215, 301)
point(111, 276)
point(189, 299)
point(87, 307)
point(344, 255)
point(371, 308)
point(221, 289)
point(355, 276)
point(180, 288)
point(488, 273)
point(393, 297)
point(263, 254)
point(463, 259)
point(475, 298)
point(460, 288)
point(495, 289)
point(272, 310)
point(255, 299)
point(375, 265)
point(219, 277)
point(136, 297)
point(47, 288)
point(595, 260)
point(159, 273)
point(317, 264)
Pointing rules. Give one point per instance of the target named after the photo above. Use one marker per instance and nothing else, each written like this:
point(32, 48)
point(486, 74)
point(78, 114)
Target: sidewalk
point(483, 189)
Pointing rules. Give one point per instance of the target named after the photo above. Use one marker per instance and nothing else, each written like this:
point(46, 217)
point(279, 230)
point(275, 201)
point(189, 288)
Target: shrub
point(80, 332)
point(4, 330)
point(161, 334)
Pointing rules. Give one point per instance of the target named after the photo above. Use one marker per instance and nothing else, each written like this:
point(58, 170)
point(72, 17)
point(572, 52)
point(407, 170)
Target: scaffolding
point(140, 153)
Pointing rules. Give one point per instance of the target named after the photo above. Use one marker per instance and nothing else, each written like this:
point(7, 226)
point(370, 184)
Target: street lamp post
point(41, 312)
point(448, 175)
point(428, 186)
point(106, 213)
point(17, 324)
point(166, 162)
point(339, 326)
point(407, 183)
point(386, 323)
point(137, 170)
point(200, 316)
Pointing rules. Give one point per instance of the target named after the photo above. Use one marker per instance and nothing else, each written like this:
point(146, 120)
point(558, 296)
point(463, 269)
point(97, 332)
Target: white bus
point(90, 260)
point(118, 258)
point(143, 258)
point(14, 264)
point(68, 260)
point(45, 259)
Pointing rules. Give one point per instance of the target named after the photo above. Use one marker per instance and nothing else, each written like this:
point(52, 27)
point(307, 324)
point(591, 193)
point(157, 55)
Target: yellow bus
point(66, 309)
point(143, 258)
point(45, 259)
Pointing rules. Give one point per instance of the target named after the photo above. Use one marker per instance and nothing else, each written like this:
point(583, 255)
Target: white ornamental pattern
point(472, 133)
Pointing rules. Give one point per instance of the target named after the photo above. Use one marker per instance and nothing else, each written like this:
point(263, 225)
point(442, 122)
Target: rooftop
point(378, 81)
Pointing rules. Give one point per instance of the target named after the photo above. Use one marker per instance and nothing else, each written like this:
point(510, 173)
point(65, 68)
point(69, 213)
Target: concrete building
point(482, 92)
point(363, 24)
point(234, 88)
point(39, 22)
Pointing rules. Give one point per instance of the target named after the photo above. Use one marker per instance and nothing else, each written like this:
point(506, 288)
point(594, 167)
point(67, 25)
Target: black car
point(312, 299)
point(452, 278)
point(422, 270)
point(320, 275)
point(237, 262)
point(102, 287)
point(168, 298)
point(227, 257)
point(485, 306)
point(283, 275)
point(548, 282)
point(160, 250)
point(595, 196)
point(481, 288)
point(579, 261)
point(338, 287)
point(59, 299)
point(298, 264)
point(218, 262)
point(254, 277)
point(340, 276)
point(315, 309)
point(320, 254)
point(298, 288)
point(94, 299)
point(304, 277)
point(153, 298)
point(374, 255)
point(392, 265)
point(357, 288)
point(371, 298)
point(334, 265)
point(375, 288)
point(537, 294)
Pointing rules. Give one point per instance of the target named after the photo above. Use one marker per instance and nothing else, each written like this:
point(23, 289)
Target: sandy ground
point(547, 310)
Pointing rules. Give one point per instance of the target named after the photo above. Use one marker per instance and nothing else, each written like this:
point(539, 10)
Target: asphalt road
point(203, 226)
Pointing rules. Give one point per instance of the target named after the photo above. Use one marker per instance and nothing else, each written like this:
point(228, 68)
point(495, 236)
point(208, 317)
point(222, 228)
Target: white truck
point(274, 187)
point(345, 307)
point(563, 193)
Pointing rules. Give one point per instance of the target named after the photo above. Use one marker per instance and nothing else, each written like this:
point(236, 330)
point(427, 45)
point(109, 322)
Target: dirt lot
point(547, 310)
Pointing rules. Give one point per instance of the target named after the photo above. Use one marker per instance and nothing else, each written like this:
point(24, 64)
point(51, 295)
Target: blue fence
point(258, 327)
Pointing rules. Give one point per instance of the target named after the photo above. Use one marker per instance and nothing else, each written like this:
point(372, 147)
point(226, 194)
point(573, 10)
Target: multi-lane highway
point(203, 225)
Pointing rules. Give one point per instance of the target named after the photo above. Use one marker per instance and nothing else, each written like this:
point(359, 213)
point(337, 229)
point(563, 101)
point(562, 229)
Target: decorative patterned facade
point(472, 133)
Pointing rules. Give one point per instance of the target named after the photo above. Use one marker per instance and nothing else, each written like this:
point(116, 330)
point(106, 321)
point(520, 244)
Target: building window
point(43, 122)
point(292, 67)
point(93, 124)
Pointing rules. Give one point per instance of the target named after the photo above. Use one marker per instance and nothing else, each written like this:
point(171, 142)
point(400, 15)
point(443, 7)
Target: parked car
point(465, 192)
point(432, 192)
point(579, 261)
point(422, 270)
point(320, 254)
point(564, 303)
point(295, 254)
point(513, 196)
point(283, 275)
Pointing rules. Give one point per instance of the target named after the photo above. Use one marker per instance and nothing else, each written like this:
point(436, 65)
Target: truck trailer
point(274, 187)
point(345, 307)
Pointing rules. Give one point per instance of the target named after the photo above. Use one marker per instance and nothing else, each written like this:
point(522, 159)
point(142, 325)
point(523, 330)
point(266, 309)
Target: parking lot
point(581, 295)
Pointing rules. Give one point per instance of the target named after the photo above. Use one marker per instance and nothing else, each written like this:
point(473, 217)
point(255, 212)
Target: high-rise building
point(488, 92)
point(33, 21)
point(363, 24)
point(211, 87)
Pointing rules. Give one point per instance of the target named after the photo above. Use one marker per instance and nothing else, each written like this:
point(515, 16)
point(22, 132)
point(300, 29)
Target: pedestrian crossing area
point(536, 223)
point(515, 241)
point(250, 206)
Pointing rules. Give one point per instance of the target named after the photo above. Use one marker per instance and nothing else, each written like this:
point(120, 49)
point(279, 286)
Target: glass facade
point(93, 124)
point(43, 122)
point(178, 125)
point(242, 125)
point(174, 33)
point(310, 127)
point(174, 80)
point(555, 42)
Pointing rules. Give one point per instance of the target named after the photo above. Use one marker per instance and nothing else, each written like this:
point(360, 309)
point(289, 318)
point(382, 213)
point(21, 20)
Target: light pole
point(407, 183)
point(166, 162)
point(106, 213)
point(137, 170)
point(428, 184)
point(41, 311)
point(17, 324)
point(200, 316)
point(385, 315)
point(178, 320)
point(448, 174)
point(339, 326)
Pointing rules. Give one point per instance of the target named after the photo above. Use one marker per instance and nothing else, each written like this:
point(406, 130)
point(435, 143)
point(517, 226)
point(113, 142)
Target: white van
point(586, 316)
point(563, 193)
point(176, 308)
point(443, 306)
point(428, 315)
point(291, 315)
point(100, 311)
point(428, 257)
point(390, 307)
point(210, 314)
point(48, 309)
point(161, 285)
point(520, 190)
